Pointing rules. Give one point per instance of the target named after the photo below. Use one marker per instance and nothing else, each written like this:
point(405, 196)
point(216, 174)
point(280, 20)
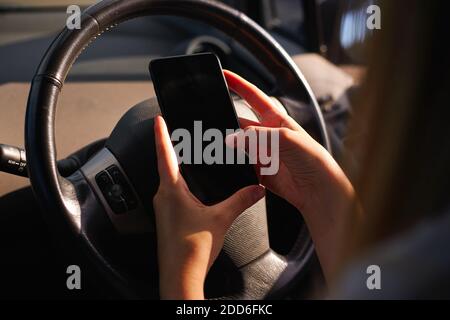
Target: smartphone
point(192, 92)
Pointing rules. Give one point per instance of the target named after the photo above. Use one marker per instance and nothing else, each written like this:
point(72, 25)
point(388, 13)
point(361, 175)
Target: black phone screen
point(191, 90)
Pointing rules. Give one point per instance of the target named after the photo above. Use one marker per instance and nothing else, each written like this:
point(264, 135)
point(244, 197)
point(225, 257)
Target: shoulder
point(415, 265)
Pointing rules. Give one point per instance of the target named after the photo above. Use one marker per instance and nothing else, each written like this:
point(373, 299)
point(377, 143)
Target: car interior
point(79, 103)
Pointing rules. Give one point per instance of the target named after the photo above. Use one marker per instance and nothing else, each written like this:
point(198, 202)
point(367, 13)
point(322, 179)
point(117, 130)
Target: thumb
point(240, 201)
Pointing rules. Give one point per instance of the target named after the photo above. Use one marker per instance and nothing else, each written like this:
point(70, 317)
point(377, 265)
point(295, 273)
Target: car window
point(290, 17)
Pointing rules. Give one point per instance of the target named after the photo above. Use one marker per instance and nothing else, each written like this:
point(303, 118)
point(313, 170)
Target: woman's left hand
point(190, 235)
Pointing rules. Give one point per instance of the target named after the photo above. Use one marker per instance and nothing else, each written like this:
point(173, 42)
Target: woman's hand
point(308, 176)
point(190, 235)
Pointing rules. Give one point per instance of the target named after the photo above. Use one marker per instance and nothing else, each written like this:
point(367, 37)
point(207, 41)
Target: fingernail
point(259, 193)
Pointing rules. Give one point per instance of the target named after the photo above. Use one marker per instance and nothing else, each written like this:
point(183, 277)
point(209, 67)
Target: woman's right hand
point(308, 176)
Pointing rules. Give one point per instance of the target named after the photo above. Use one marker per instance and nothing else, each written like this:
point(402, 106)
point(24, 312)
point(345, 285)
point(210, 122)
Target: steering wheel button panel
point(112, 192)
point(122, 186)
point(103, 180)
point(118, 205)
point(116, 193)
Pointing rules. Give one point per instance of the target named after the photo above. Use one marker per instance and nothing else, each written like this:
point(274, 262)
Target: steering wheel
point(103, 212)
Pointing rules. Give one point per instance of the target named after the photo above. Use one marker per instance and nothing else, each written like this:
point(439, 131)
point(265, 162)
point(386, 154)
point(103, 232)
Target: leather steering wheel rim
point(56, 195)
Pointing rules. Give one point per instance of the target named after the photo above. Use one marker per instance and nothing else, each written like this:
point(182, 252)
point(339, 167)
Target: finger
point(261, 146)
point(259, 101)
point(250, 93)
point(249, 138)
point(244, 123)
point(240, 201)
point(167, 161)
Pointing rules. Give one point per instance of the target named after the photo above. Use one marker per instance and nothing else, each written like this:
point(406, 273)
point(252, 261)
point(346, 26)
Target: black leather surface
point(132, 143)
point(65, 202)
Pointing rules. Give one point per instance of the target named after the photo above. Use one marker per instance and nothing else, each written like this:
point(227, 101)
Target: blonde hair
point(399, 133)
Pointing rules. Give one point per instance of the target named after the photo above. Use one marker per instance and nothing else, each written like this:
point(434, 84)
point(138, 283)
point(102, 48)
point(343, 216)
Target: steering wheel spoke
point(116, 193)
